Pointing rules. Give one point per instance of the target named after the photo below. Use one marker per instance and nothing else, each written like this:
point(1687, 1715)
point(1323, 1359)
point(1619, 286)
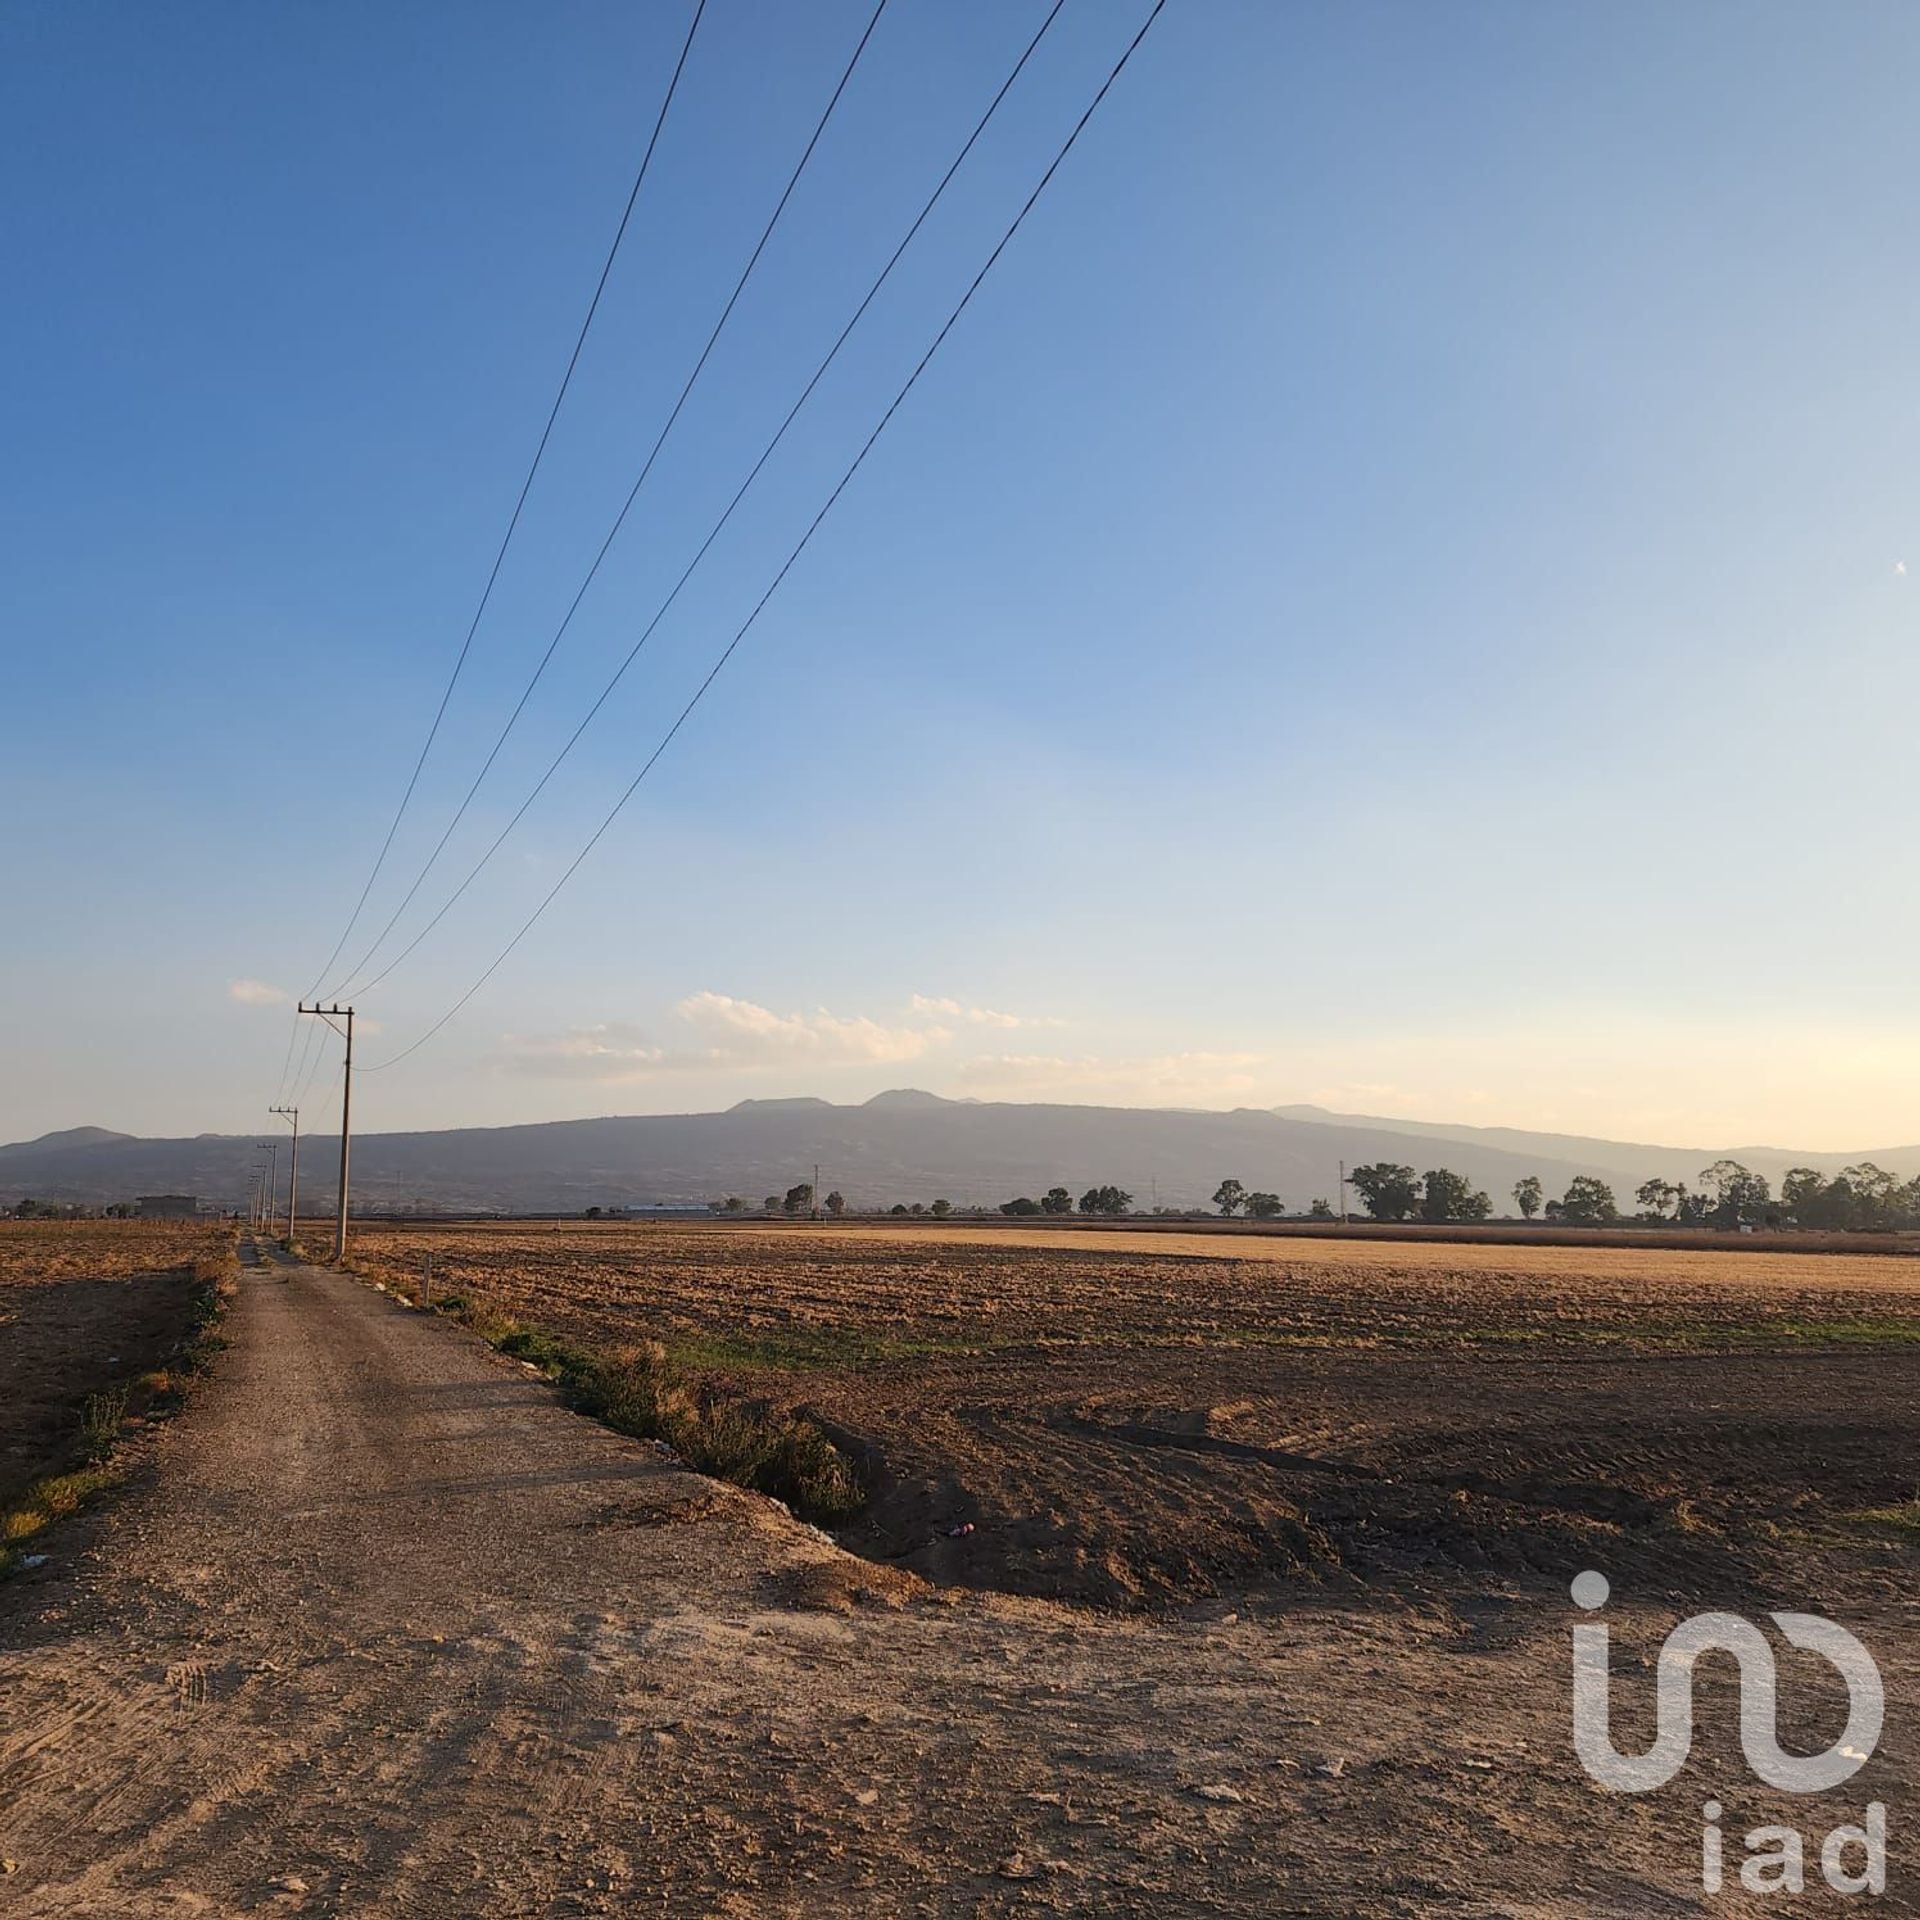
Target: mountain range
point(904, 1145)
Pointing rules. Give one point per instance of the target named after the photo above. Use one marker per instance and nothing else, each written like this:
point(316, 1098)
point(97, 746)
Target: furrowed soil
point(1142, 1421)
point(1263, 1610)
point(85, 1307)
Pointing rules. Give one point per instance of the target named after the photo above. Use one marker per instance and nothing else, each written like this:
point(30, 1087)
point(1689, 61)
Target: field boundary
point(637, 1390)
point(108, 1418)
point(1625, 1237)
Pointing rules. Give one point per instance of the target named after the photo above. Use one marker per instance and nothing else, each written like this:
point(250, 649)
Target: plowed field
point(1139, 1420)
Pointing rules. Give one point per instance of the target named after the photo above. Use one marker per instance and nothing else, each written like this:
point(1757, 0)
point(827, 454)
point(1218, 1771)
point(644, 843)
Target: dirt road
point(378, 1628)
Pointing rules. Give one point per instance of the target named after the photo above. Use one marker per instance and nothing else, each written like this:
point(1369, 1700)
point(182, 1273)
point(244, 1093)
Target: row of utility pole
point(265, 1210)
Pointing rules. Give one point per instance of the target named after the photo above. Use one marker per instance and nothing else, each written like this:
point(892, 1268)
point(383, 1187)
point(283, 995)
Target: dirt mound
point(1303, 1472)
point(841, 1584)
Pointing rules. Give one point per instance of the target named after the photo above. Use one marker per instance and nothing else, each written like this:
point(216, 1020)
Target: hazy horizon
point(796, 1095)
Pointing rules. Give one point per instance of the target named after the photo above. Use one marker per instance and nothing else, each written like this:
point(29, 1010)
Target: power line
point(360, 986)
point(620, 519)
point(293, 1033)
point(304, 1086)
point(526, 487)
point(289, 1073)
point(814, 526)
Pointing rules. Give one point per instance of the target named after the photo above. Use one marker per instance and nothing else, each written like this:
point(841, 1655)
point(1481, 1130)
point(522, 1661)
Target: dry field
point(85, 1305)
point(1141, 1420)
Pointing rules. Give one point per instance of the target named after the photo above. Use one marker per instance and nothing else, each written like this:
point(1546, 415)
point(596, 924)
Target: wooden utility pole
point(293, 1168)
point(270, 1186)
point(328, 1014)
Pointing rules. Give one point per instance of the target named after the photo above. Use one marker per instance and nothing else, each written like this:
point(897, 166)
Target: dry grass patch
point(640, 1390)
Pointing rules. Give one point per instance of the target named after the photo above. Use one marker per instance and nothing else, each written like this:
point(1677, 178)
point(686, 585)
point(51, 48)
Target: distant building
point(168, 1206)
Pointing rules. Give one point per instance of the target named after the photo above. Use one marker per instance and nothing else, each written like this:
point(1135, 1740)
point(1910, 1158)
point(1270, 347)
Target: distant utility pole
point(272, 1180)
point(329, 1014)
point(818, 1209)
point(1343, 1195)
point(293, 1168)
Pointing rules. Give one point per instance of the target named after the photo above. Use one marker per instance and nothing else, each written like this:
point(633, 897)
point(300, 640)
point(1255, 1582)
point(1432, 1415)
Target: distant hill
point(900, 1145)
point(79, 1137)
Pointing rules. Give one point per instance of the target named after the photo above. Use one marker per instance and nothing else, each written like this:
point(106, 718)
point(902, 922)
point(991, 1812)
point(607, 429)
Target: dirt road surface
point(379, 1628)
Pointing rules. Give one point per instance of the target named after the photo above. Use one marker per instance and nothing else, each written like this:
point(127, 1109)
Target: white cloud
point(931, 1006)
point(255, 993)
point(608, 1052)
point(719, 1033)
point(724, 1035)
point(743, 1034)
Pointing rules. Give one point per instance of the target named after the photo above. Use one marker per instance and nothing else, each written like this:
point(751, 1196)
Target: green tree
point(771, 1203)
point(1264, 1206)
point(1446, 1195)
point(1390, 1192)
point(1874, 1191)
point(1801, 1189)
point(940, 1209)
point(1057, 1200)
point(1023, 1206)
point(836, 1203)
point(1737, 1193)
point(799, 1197)
point(1227, 1196)
point(1321, 1210)
point(735, 1204)
point(1528, 1194)
point(1906, 1204)
point(1588, 1202)
point(1661, 1198)
point(1112, 1201)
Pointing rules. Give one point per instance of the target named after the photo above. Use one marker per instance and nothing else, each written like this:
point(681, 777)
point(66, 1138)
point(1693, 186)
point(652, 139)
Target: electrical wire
point(526, 487)
point(620, 519)
point(358, 985)
point(294, 1078)
point(293, 1034)
point(732, 645)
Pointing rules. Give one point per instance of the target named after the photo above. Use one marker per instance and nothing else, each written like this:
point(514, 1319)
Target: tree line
point(1726, 1194)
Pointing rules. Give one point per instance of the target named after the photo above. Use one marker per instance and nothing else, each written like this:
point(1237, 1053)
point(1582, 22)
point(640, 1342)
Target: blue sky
point(1390, 596)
